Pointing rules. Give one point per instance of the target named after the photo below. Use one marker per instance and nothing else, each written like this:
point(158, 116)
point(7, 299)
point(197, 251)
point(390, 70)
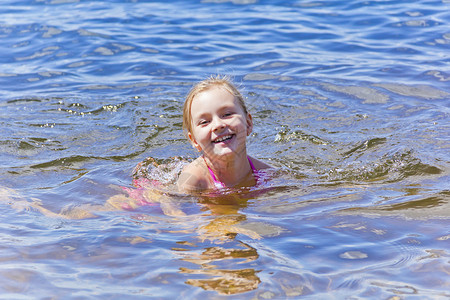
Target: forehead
point(212, 99)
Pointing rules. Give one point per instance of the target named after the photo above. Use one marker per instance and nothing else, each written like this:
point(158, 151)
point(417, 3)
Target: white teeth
point(223, 138)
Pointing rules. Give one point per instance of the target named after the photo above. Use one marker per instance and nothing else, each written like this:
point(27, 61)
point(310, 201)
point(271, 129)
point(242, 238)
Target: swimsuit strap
point(251, 165)
point(255, 172)
point(219, 184)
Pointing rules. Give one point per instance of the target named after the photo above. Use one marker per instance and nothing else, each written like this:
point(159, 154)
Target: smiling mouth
point(223, 138)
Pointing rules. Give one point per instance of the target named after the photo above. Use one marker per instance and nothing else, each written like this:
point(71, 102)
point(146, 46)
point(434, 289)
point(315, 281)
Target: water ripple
point(354, 39)
point(350, 104)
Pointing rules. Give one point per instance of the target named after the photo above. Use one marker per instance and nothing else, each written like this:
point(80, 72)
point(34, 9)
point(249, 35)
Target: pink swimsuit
point(219, 184)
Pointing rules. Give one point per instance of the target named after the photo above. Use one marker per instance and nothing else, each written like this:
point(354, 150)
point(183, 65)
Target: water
point(350, 101)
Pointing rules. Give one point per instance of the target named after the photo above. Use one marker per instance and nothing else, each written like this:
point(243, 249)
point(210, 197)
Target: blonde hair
point(213, 81)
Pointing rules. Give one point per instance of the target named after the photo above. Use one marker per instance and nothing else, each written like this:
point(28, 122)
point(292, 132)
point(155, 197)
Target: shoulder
point(260, 165)
point(194, 177)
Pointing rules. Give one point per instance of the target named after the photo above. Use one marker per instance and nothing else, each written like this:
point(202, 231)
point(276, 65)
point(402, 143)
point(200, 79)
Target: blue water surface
point(350, 101)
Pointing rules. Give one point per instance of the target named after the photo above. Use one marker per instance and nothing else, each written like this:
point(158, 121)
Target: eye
point(228, 114)
point(203, 122)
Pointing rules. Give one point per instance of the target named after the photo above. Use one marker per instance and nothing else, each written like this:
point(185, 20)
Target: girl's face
point(219, 124)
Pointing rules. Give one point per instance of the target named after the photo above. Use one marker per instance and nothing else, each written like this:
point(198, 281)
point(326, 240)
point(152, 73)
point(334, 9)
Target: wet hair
point(205, 85)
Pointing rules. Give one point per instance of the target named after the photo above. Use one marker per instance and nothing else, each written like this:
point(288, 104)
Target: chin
point(219, 153)
point(227, 152)
point(223, 153)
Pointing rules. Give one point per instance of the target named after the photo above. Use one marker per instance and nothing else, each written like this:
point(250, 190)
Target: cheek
point(238, 123)
point(200, 134)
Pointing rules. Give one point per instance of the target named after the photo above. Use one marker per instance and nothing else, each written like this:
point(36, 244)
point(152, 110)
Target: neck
point(231, 170)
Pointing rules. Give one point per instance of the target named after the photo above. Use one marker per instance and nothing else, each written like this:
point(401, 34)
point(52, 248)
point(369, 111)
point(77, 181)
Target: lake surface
point(350, 101)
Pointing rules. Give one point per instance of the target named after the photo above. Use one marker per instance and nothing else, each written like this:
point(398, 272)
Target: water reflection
point(220, 261)
point(215, 267)
point(223, 280)
point(219, 242)
point(422, 206)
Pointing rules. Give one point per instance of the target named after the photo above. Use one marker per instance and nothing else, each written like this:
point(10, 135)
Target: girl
point(217, 123)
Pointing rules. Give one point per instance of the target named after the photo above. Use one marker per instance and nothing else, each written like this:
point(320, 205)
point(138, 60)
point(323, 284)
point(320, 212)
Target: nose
point(218, 124)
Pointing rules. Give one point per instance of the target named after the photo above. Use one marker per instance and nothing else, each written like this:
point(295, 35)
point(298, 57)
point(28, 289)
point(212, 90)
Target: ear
point(249, 124)
point(193, 142)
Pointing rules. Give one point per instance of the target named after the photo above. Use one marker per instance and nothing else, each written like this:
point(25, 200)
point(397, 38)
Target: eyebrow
point(201, 116)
